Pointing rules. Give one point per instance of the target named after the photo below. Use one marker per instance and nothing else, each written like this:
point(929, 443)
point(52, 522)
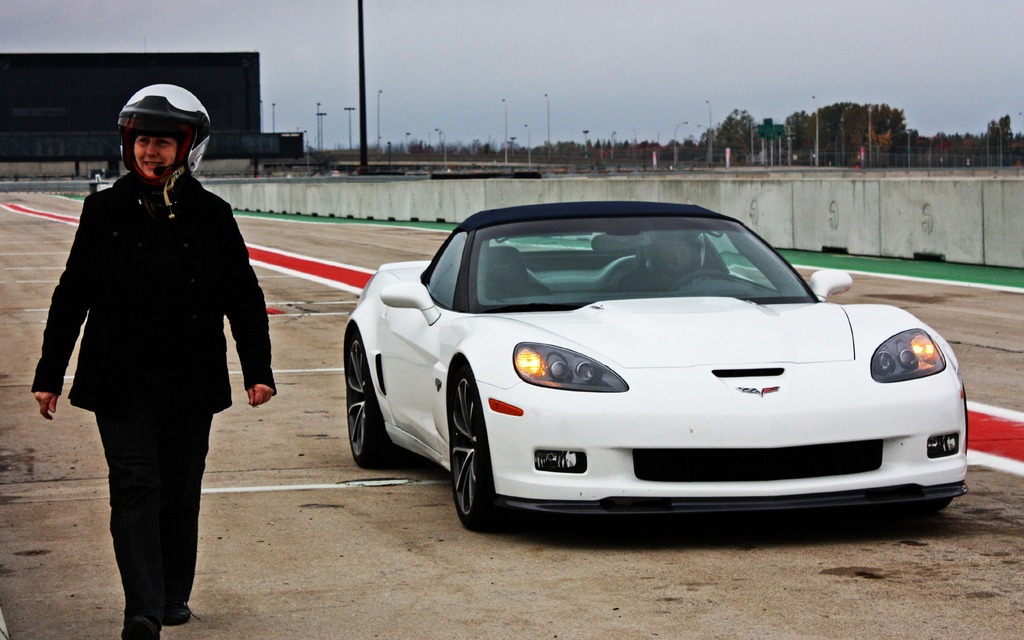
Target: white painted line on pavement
point(352, 484)
point(311, 314)
point(998, 463)
point(321, 370)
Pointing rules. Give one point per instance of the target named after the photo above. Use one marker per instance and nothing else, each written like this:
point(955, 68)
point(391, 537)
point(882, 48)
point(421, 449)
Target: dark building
point(63, 106)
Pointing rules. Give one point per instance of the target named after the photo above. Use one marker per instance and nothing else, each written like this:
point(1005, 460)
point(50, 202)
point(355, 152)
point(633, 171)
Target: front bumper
point(903, 495)
point(826, 404)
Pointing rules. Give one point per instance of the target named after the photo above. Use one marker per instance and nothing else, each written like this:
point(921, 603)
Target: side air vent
point(379, 362)
point(749, 373)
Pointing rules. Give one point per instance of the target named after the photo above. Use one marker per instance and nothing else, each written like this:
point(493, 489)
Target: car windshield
point(565, 264)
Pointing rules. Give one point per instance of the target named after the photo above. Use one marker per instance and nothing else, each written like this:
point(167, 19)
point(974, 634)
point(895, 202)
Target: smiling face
point(152, 152)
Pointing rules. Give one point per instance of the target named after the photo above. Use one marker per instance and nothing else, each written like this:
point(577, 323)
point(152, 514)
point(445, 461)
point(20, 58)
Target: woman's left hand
point(258, 394)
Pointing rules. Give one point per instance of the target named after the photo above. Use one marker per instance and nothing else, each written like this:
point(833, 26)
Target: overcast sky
point(639, 68)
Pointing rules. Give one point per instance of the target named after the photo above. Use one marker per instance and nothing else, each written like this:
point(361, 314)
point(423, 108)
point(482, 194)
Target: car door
point(411, 351)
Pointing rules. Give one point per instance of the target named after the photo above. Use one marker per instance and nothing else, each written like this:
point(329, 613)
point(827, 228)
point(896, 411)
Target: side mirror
point(830, 282)
point(410, 295)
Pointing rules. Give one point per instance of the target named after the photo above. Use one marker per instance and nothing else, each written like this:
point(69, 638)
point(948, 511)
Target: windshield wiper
point(534, 306)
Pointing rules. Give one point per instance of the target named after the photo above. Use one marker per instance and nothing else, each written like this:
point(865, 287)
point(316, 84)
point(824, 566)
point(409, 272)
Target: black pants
point(156, 456)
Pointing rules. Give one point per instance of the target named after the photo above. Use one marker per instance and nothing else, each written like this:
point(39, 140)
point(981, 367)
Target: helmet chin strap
point(180, 171)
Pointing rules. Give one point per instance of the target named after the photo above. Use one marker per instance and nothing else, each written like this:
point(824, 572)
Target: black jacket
point(156, 291)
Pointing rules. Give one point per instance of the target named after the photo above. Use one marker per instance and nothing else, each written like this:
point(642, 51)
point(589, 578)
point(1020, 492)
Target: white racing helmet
point(165, 110)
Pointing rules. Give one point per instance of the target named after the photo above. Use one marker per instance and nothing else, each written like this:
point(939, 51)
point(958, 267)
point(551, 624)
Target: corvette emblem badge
point(758, 392)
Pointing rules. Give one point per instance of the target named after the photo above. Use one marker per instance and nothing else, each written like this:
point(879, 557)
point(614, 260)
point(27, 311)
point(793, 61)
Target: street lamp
point(710, 130)
point(817, 117)
point(350, 110)
point(319, 128)
point(675, 145)
point(504, 141)
point(548, 101)
point(529, 150)
point(444, 148)
point(379, 92)
point(1000, 143)
point(273, 116)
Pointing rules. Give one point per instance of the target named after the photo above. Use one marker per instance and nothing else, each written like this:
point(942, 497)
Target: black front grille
point(752, 465)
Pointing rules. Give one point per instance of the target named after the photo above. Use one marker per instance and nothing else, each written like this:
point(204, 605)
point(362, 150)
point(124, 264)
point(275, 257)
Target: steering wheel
point(704, 274)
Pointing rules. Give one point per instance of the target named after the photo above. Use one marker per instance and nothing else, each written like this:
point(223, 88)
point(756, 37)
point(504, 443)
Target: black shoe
point(176, 613)
point(140, 628)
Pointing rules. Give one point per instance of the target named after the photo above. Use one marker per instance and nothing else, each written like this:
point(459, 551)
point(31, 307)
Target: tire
point(367, 437)
point(470, 458)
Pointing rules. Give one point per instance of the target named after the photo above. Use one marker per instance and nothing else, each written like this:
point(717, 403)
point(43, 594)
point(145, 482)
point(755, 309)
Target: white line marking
point(352, 484)
point(311, 314)
point(996, 412)
point(35, 253)
point(998, 463)
point(272, 303)
point(70, 377)
point(334, 284)
point(323, 370)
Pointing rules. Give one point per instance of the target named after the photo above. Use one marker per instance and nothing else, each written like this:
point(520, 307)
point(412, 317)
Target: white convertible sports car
point(629, 357)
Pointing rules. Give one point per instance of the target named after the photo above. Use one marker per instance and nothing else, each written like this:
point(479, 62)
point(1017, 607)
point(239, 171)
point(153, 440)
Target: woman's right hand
point(47, 403)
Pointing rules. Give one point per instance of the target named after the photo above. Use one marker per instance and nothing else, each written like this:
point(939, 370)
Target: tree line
point(850, 134)
point(843, 134)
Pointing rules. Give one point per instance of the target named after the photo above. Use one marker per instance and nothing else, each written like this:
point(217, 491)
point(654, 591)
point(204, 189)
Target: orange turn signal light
point(498, 406)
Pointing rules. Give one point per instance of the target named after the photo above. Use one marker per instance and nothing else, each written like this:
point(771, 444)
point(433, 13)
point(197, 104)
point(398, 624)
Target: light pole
point(707, 132)
point(444, 148)
point(504, 141)
point(273, 117)
point(842, 138)
point(998, 126)
point(547, 100)
point(675, 145)
point(586, 143)
point(710, 130)
point(350, 110)
point(407, 134)
point(379, 92)
point(817, 117)
point(319, 128)
point(529, 150)
point(868, 163)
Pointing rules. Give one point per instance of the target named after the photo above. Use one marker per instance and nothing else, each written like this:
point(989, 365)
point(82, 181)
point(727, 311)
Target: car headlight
point(548, 366)
point(905, 356)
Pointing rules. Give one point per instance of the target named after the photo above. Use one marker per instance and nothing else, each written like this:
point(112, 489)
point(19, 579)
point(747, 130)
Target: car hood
point(704, 331)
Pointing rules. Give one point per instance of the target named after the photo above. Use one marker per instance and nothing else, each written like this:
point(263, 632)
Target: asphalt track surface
point(298, 542)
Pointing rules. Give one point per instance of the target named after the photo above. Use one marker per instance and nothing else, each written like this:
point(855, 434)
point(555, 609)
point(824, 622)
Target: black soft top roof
point(593, 209)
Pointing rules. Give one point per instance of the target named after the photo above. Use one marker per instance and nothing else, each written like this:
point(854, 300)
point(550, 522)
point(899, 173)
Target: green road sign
point(770, 130)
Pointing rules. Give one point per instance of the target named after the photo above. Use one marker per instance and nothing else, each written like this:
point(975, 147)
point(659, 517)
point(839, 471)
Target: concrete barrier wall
point(972, 220)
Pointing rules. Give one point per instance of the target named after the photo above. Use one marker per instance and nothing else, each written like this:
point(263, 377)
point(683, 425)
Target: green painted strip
point(331, 219)
point(927, 269)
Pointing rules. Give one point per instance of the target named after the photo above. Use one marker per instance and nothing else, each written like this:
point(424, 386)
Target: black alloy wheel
point(472, 476)
point(371, 446)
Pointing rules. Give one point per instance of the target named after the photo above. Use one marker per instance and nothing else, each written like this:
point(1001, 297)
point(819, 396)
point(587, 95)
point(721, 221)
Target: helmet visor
point(146, 126)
